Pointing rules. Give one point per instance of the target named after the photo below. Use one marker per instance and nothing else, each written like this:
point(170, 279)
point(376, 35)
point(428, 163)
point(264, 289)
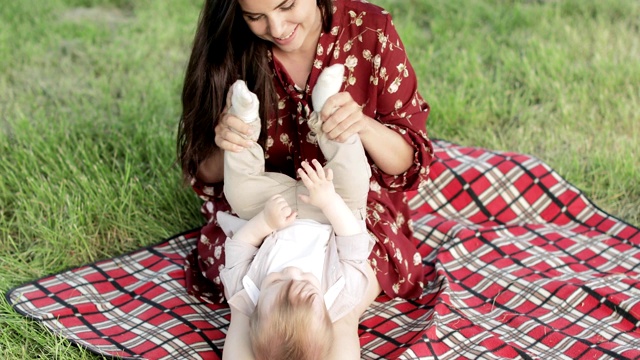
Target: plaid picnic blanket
point(520, 265)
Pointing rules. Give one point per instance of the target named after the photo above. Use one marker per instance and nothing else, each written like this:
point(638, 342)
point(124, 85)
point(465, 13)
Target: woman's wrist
point(388, 149)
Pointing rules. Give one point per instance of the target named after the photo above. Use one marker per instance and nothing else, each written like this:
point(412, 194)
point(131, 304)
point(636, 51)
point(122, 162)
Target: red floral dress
point(379, 77)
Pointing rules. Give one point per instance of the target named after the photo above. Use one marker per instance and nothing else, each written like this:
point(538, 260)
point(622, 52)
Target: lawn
point(90, 100)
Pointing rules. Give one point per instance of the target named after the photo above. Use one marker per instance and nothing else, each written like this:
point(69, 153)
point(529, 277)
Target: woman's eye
point(253, 18)
point(289, 7)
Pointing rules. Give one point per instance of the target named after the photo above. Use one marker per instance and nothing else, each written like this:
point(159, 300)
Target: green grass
point(89, 102)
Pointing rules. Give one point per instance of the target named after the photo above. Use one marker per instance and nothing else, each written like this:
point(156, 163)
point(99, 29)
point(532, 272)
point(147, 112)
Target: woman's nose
point(276, 27)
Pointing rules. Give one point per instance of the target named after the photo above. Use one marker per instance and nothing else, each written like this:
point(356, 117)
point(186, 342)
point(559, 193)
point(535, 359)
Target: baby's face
point(300, 286)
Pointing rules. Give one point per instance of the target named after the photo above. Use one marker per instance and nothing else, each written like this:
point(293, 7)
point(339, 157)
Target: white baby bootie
point(329, 84)
point(246, 106)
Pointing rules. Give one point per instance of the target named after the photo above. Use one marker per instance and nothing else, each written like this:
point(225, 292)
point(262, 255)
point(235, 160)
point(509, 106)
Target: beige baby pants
point(247, 186)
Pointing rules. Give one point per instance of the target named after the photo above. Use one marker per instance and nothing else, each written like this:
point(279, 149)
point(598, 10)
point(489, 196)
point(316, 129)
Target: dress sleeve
point(401, 108)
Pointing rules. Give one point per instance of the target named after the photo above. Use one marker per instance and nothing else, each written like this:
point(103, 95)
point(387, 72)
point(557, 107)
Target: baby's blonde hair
point(289, 331)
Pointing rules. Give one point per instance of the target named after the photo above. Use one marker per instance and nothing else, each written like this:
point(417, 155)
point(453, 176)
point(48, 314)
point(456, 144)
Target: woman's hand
point(342, 117)
point(232, 134)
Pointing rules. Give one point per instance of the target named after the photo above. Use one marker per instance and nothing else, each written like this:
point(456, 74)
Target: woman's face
point(289, 24)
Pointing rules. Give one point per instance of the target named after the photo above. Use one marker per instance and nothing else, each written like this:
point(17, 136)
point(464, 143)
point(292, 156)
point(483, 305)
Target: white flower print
point(334, 30)
point(376, 61)
point(347, 46)
point(204, 240)
point(352, 80)
point(216, 280)
point(398, 104)
point(376, 216)
point(366, 54)
point(269, 142)
point(402, 69)
point(312, 138)
point(210, 260)
point(208, 190)
point(383, 73)
point(375, 187)
point(396, 287)
point(317, 64)
point(217, 251)
point(351, 62)
point(394, 227)
point(417, 259)
point(382, 38)
point(398, 255)
point(284, 139)
point(379, 208)
point(356, 20)
point(394, 86)
point(373, 79)
point(320, 50)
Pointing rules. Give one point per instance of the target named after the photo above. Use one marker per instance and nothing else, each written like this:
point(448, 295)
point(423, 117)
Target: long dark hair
point(224, 49)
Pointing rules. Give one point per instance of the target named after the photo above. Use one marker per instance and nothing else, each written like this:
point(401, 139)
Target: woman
point(279, 48)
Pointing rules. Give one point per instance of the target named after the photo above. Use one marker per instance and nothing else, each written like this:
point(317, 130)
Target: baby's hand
point(319, 183)
point(277, 213)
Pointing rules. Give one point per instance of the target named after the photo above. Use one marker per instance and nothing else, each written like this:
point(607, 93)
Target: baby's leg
point(351, 170)
point(247, 187)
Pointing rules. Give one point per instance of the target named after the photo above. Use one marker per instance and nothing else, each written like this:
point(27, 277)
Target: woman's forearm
point(211, 170)
point(388, 149)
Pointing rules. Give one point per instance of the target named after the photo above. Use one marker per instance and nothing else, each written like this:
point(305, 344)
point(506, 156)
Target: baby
point(297, 262)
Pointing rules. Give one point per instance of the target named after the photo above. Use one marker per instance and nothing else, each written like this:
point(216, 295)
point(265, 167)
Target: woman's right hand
point(232, 134)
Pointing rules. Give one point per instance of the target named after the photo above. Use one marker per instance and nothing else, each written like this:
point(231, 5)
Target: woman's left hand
point(342, 117)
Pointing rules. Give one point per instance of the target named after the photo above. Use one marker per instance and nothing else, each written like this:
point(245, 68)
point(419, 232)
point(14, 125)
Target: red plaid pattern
point(520, 265)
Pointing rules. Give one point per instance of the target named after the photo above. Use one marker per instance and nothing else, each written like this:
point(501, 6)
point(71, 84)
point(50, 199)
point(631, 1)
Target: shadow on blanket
point(521, 265)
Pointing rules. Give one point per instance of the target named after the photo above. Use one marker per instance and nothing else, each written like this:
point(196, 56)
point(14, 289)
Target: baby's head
point(290, 320)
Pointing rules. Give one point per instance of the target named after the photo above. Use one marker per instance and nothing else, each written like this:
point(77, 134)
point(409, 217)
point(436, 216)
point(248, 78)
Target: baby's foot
point(329, 83)
point(245, 105)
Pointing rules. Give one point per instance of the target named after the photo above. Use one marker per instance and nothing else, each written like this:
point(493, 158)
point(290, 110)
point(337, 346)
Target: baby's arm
point(236, 343)
point(275, 215)
point(323, 195)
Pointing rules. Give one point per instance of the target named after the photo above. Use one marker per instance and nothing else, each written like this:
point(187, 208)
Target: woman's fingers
point(342, 117)
point(229, 134)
